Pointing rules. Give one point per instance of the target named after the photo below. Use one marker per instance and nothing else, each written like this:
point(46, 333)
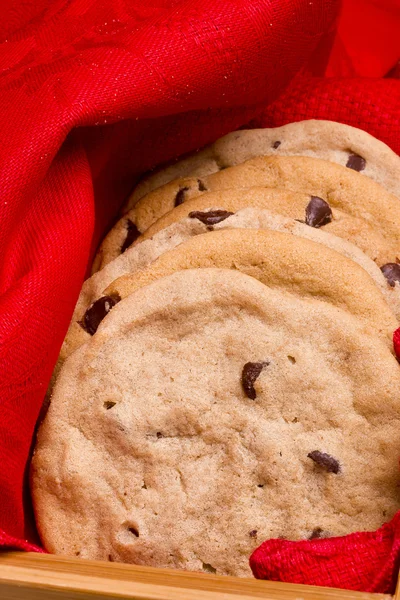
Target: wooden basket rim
point(47, 577)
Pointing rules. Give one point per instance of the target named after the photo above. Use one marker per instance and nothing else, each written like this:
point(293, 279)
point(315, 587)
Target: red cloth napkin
point(92, 94)
point(359, 561)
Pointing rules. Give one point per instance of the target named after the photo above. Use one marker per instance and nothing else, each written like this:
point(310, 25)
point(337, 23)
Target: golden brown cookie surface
point(207, 407)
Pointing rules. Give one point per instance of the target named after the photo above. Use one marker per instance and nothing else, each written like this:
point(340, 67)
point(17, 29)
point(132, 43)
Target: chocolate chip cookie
point(92, 305)
point(311, 210)
point(336, 142)
point(279, 260)
point(341, 188)
point(210, 412)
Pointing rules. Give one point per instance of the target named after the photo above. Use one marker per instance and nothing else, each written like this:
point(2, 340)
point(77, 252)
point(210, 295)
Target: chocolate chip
point(159, 434)
point(250, 372)
point(316, 534)
point(202, 187)
point(253, 533)
point(132, 235)
point(356, 162)
point(318, 212)
point(180, 196)
point(276, 145)
point(392, 273)
point(96, 313)
point(324, 460)
point(212, 217)
point(109, 404)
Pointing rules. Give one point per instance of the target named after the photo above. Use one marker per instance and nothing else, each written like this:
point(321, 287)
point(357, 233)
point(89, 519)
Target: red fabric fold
point(367, 561)
point(143, 82)
point(368, 41)
point(95, 92)
point(8, 542)
point(371, 104)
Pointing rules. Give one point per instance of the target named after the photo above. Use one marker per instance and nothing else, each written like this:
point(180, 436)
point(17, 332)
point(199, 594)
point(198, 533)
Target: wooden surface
point(44, 577)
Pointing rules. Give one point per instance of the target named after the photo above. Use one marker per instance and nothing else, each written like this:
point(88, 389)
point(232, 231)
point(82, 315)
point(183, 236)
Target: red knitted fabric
point(359, 561)
point(95, 92)
point(370, 104)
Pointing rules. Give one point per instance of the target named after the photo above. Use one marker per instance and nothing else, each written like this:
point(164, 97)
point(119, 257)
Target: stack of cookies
point(229, 374)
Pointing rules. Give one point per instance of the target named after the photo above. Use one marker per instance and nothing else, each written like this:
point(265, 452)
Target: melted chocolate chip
point(392, 273)
point(324, 460)
point(276, 145)
point(159, 434)
point(318, 212)
point(316, 534)
point(253, 533)
point(202, 187)
point(96, 313)
point(180, 196)
point(212, 217)
point(250, 373)
point(356, 162)
point(132, 234)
